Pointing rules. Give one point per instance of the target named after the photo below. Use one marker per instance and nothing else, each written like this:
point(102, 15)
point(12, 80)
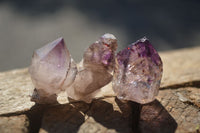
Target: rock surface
point(177, 108)
point(14, 124)
point(15, 90)
point(183, 106)
point(174, 108)
point(100, 116)
point(180, 66)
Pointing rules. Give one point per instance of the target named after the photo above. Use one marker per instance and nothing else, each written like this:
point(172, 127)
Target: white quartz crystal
point(49, 67)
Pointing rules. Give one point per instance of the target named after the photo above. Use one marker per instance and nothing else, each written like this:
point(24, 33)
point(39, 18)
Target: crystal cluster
point(136, 76)
point(138, 72)
point(94, 70)
point(53, 70)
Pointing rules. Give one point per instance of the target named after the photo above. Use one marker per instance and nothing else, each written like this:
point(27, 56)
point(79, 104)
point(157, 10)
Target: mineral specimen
point(101, 54)
point(51, 69)
point(95, 69)
point(137, 72)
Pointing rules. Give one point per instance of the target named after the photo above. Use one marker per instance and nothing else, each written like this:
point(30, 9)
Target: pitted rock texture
point(103, 116)
point(14, 124)
point(15, 90)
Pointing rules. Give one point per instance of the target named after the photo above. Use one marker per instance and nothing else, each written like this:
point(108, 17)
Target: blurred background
point(26, 25)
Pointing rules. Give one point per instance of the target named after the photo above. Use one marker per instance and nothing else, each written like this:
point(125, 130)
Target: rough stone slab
point(174, 108)
point(101, 116)
point(193, 95)
point(180, 66)
point(154, 118)
point(92, 126)
point(64, 118)
point(109, 113)
point(15, 90)
point(14, 124)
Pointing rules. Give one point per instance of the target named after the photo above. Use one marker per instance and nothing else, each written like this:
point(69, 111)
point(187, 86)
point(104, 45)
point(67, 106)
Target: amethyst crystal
point(138, 72)
point(94, 72)
point(101, 54)
point(51, 69)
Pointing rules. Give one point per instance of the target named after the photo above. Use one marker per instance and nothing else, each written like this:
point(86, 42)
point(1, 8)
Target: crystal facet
point(138, 72)
point(50, 69)
point(95, 69)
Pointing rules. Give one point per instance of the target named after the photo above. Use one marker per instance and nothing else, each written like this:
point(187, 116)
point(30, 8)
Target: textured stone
point(92, 126)
point(169, 113)
point(15, 90)
point(138, 72)
point(110, 113)
point(100, 116)
point(64, 118)
point(180, 66)
point(185, 113)
point(14, 124)
point(154, 118)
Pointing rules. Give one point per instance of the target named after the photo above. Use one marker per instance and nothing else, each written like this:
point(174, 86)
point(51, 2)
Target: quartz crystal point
point(51, 69)
point(95, 69)
point(137, 72)
point(101, 54)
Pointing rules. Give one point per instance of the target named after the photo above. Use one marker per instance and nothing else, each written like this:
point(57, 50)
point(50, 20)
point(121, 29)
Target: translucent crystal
point(50, 69)
point(101, 54)
point(137, 72)
point(95, 69)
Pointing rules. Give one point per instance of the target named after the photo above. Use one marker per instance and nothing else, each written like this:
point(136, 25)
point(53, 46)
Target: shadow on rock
point(35, 115)
point(102, 115)
point(154, 118)
point(63, 118)
point(127, 117)
point(112, 116)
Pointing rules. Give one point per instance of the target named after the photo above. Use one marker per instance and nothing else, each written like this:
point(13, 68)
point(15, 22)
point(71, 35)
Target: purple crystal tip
point(49, 66)
point(102, 52)
point(145, 49)
point(138, 72)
